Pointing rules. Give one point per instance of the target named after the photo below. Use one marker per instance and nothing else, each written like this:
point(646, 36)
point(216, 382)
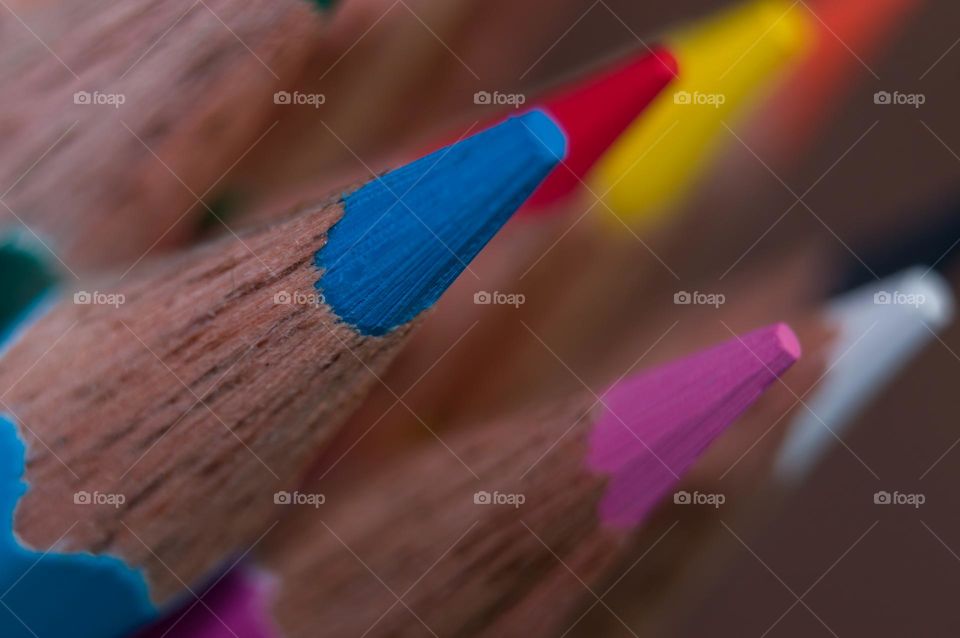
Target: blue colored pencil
point(150, 428)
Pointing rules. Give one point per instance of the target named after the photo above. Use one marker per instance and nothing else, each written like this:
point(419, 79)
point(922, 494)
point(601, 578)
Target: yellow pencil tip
point(725, 61)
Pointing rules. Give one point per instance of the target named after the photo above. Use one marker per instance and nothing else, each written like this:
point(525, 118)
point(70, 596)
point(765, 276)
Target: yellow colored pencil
point(724, 60)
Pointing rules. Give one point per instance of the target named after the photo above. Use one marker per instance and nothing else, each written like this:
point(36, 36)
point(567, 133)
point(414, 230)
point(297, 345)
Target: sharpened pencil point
point(323, 5)
point(725, 61)
point(596, 113)
point(406, 236)
point(546, 131)
point(880, 328)
point(656, 424)
point(787, 339)
point(25, 278)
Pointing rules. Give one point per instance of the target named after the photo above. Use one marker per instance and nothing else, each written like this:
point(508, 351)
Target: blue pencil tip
point(546, 131)
point(406, 236)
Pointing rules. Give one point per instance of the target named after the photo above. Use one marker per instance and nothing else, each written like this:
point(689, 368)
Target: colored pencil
point(725, 62)
point(682, 547)
point(236, 605)
point(593, 108)
point(736, 54)
point(159, 418)
point(604, 333)
point(482, 332)
point(862, 347)
point(111, 142)
point(594, 112)
point(882, 327)
point(559, 489)
point(26, 277)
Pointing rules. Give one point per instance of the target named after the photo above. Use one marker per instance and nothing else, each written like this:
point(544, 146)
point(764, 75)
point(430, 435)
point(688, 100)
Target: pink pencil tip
point(655, 425)
point(788, 340)
point(237, 606)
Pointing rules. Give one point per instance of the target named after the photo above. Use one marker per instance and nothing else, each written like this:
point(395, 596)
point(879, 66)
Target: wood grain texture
point(484, 570)
point(520, 568)
point(197, 399)
point(198, 81)
point(430, 56)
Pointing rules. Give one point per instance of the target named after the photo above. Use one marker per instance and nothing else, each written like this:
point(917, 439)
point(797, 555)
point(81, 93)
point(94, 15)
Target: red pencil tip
point(596, 113)
point(656, 424)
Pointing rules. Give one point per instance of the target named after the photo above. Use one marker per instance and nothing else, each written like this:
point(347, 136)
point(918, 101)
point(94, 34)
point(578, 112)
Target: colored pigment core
point(406, 236)
point(237, 606)
point(653, 426)
point(595, 114)
point(24, 278)
point(221, 209)
point(725, 62)
point(54, 595)
point(881, 327)
point(323, 5)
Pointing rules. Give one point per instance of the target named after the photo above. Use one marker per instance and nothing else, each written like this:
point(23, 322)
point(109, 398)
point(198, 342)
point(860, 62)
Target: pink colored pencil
point(236, 606)
point(480, 536)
